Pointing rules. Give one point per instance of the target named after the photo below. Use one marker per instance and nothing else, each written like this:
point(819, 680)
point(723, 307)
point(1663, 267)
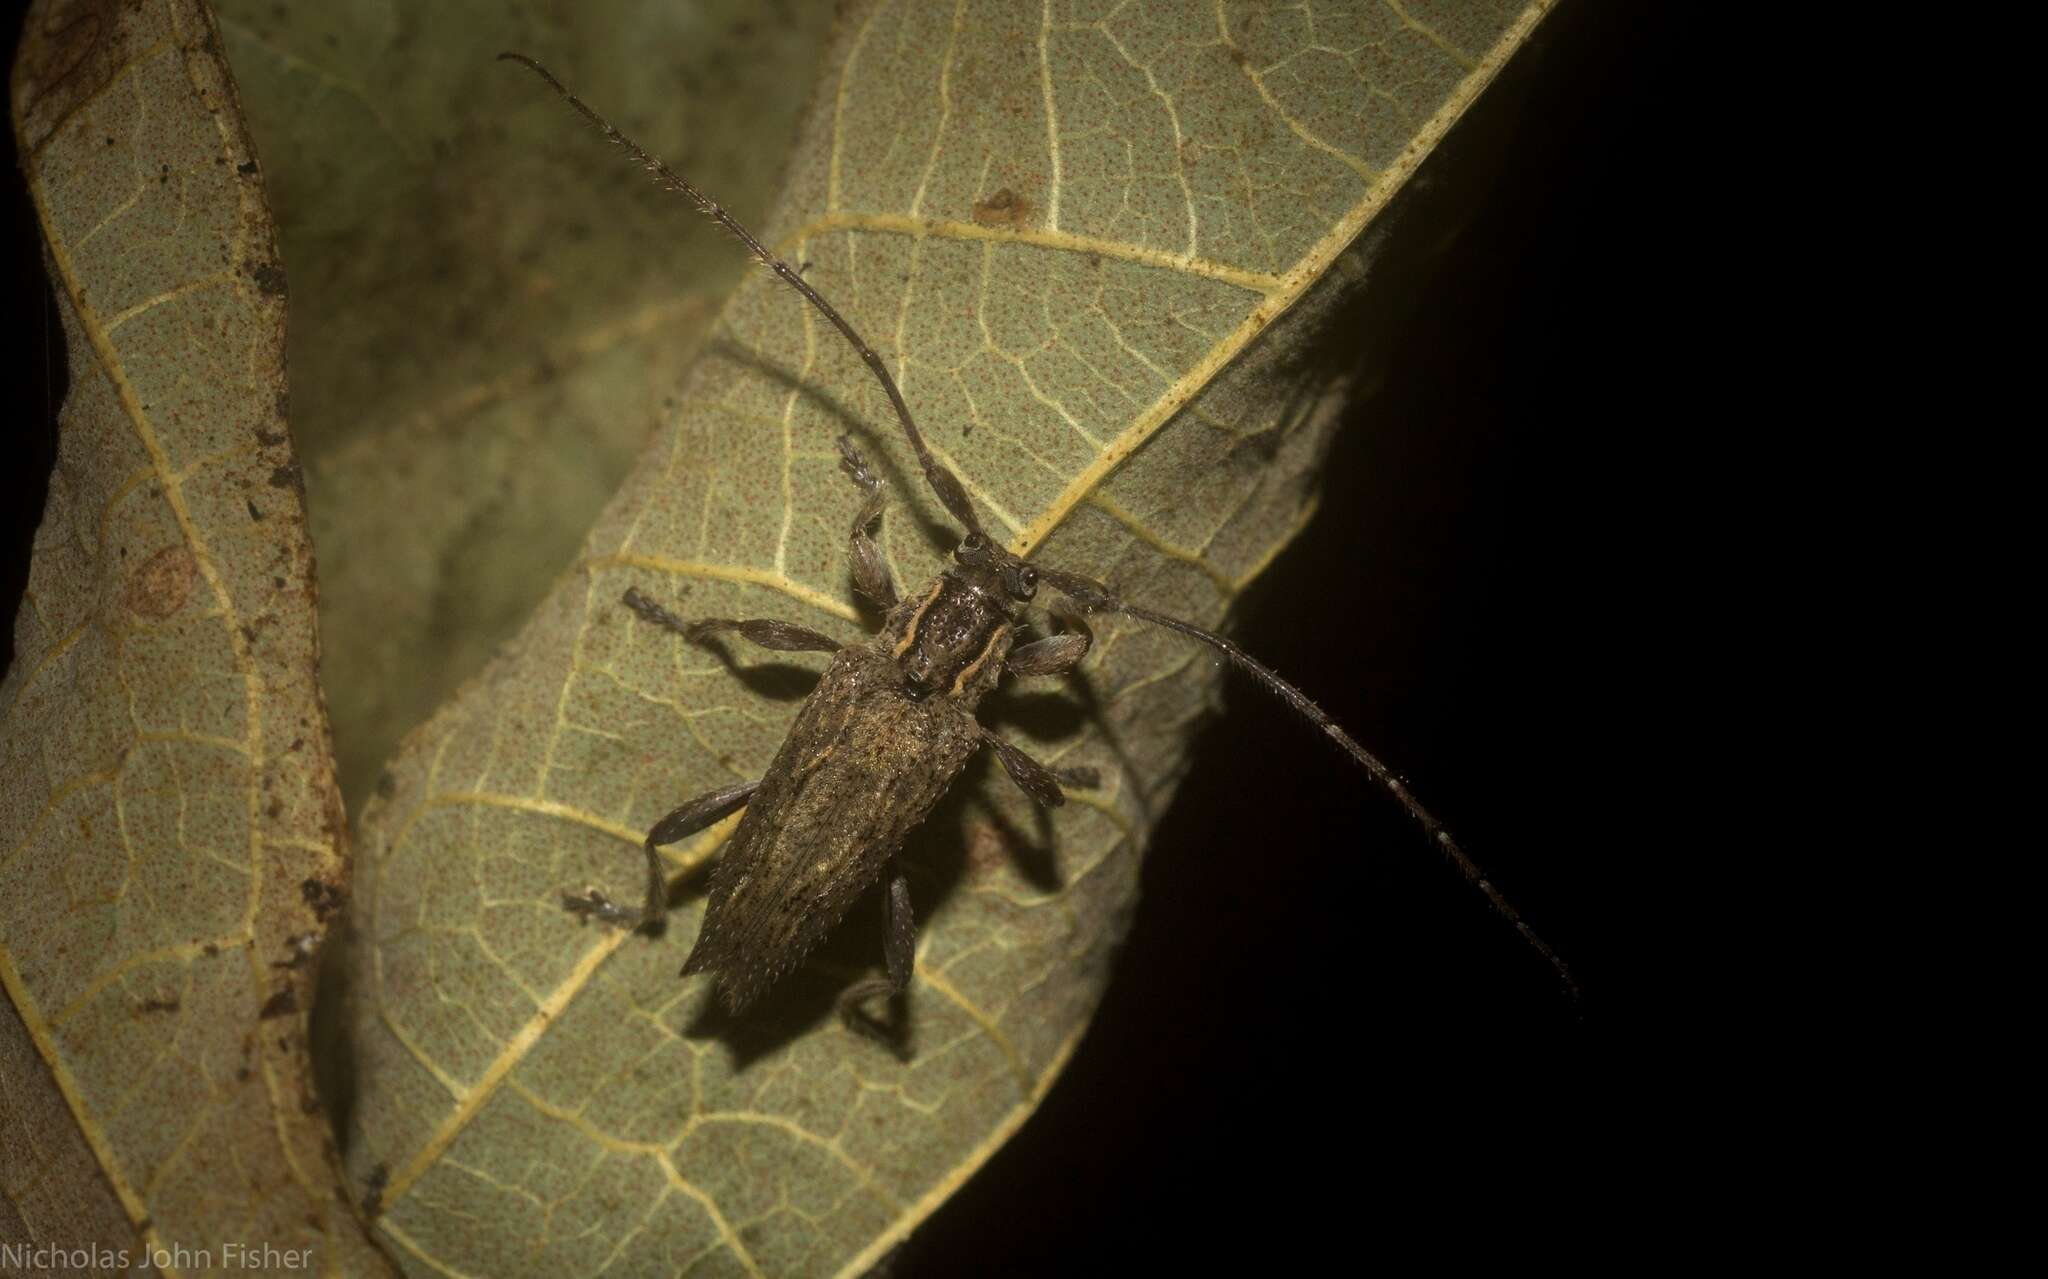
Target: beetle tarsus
point(592, 904)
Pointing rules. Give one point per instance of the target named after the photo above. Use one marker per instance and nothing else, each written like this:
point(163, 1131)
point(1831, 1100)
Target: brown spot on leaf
point(285, 477)
point(160, 585)
point(1004, 208)
point(269, 277)
point(323, 897)
point(284, 1003)
point(158, 1005)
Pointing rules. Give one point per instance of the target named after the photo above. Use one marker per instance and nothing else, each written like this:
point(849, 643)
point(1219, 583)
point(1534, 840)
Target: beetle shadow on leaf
point(695, 884)
point(969, 837)
point(776, 681)
point(1053, 711)
point(807, 1000)
point(1042, 714)
point(788, 1012)
point(868, 436)
point(990, 837)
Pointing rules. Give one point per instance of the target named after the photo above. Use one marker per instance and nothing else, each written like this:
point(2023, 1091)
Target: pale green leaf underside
point(1096, 247)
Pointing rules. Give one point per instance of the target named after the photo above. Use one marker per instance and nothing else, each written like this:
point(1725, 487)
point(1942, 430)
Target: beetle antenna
point(944, 483)
point(1094, 597)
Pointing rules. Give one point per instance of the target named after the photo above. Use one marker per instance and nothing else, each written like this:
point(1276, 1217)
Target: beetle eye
point(1030, 578)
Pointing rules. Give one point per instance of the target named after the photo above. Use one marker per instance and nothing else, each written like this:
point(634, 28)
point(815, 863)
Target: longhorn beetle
point(892, 721)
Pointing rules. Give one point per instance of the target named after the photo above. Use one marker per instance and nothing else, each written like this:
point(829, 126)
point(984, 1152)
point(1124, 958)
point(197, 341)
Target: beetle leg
point(899, 940)
point(785, 637)
point(899, 955)
point(1035, 779)
point(686, 820)
point(870, 574)
point(654, 612)
point(1055, 654)
point(1079, 777)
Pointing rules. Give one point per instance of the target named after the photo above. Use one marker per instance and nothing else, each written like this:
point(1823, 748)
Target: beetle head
point(996, 566)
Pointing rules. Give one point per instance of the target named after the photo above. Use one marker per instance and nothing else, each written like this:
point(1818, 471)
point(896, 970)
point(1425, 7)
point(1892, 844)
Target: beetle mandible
point(892, 721)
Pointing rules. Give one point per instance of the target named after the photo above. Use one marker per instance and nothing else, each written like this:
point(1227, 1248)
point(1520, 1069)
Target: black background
point(1318, 1037)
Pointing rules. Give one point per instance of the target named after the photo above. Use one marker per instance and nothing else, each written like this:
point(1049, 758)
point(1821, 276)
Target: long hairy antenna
point(1371, 763)
point(944, 483)
point(1092, 596)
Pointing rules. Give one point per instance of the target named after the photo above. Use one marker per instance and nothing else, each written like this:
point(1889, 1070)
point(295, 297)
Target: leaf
point(476, 288)
point(1099, 250)
point(170, 835)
